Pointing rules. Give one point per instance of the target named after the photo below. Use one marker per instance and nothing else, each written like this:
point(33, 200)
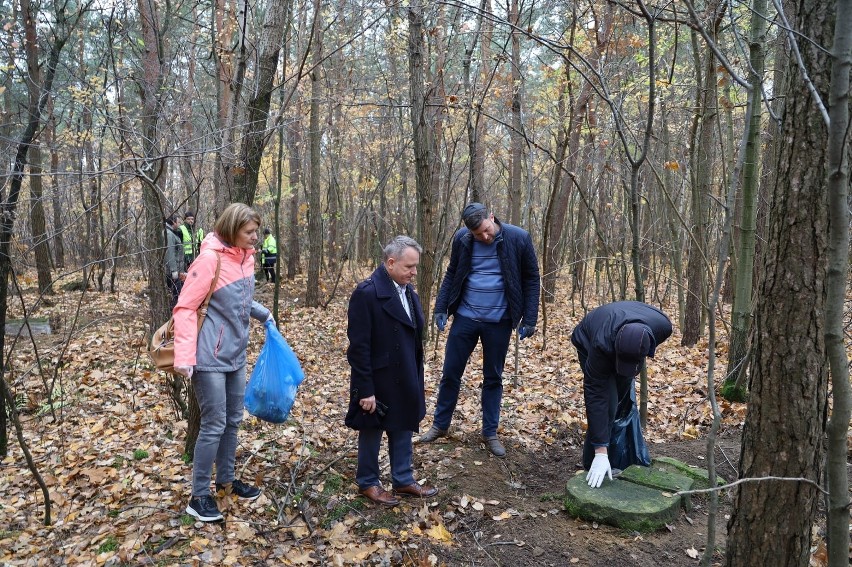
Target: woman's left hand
point(184, 370)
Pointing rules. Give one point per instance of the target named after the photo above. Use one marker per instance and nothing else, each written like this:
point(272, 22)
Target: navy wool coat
point(385, 351)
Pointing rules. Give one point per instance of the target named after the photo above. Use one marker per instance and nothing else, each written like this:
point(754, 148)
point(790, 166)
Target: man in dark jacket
point(612, 342)
point(491, 285)
point(386, 381)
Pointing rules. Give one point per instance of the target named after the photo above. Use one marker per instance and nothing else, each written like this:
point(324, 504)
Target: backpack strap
point(202, 310)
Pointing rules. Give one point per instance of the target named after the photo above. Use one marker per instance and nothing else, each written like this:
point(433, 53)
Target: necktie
point(401, 290)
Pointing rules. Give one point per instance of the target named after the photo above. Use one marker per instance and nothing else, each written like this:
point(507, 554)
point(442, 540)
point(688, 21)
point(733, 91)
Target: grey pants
point(220, 397)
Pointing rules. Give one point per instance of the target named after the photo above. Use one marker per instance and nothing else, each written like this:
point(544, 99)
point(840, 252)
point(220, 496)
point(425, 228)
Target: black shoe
point(240, 489)
point(204, 508)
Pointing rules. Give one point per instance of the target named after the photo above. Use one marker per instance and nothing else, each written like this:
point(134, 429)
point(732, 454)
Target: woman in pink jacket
point(214, 358)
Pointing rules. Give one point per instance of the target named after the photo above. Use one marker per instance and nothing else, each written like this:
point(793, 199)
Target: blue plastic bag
point(626, 443)
point(276, 376)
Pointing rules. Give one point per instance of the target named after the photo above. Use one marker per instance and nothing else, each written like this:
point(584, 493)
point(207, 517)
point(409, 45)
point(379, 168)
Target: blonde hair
point(233, 218)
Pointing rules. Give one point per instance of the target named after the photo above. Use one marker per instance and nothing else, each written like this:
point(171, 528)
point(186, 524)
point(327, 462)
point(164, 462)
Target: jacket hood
point(212, 242)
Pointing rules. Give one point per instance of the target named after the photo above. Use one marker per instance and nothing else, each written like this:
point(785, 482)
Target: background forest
point(693, 155)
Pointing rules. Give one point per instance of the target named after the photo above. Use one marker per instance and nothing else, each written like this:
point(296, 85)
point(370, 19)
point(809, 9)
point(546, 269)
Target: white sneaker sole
point(191, 511)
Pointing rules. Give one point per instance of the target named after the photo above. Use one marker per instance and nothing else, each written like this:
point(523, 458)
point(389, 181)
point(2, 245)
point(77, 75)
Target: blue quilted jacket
point(518, 263)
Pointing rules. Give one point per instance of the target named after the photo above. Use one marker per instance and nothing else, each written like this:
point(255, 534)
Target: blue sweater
point(518, 264)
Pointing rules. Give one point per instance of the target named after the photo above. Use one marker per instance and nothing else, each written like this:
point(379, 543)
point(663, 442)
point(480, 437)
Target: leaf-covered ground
point(108, 440)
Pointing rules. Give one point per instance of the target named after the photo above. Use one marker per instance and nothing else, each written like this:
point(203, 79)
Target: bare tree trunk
point(294, 151)
point(702, 182)
point(37, 223)
point(783, 434)
point(426, 160)
point(255, 135)
point(315, 240)
point(516, 158)
point(838, 156)
point(58, 224)
point(741, 310)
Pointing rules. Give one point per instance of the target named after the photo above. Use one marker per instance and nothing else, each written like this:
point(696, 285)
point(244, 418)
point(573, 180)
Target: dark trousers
point(399, 451)
point(464, 334)
point(617, 389)
point(174, 287)
point(269, 267)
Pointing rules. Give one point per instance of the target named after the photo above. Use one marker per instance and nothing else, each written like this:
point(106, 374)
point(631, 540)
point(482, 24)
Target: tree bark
point(255, 134)
point(784, 430)
point(838, 271)
point(37, 223)
point(703, 159)
point(315, 239)
point(741, 310)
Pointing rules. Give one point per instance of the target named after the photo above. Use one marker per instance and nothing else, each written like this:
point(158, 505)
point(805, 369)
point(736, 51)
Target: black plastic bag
point(626, 443)
point(276, 376)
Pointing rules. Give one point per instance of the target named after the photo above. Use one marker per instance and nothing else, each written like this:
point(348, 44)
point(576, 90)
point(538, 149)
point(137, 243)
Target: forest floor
point(108, 441)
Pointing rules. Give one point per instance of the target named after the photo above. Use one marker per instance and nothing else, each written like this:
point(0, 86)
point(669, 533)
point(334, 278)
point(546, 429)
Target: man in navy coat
point(612, 342)
point(385, 329)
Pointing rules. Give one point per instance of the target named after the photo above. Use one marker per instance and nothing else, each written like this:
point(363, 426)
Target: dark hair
point(189, 214)
point(171, 219)
point(267, 231)
point(473, 215)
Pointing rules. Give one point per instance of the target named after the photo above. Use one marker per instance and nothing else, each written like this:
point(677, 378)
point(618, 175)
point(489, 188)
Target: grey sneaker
point(204, 508)
point(494, 446)
point(432, 434)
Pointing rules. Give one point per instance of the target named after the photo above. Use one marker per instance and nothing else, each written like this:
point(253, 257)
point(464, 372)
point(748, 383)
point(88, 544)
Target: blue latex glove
point(441, 320)
point(525, 331)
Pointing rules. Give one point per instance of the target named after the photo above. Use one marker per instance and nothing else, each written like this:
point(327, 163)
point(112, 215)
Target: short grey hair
point(398, 244)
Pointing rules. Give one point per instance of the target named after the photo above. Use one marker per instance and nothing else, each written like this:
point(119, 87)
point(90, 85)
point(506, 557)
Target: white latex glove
point(600, 468)
point(270, 318)
point(184, 370)
point(174, 275)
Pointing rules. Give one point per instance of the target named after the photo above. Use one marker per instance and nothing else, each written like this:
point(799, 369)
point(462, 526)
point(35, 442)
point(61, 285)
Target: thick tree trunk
point(784, 430)
point(426, 159)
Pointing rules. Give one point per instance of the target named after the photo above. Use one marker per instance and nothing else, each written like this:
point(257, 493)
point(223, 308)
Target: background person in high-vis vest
point(191, 237)
point(269, 254)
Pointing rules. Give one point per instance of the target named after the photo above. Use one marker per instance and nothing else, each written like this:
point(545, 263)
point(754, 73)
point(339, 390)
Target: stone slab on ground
point(660, 479)
point(621, 503)
point(701, 477)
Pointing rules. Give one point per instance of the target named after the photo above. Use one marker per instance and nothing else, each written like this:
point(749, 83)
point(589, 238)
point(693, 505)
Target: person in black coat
point(385, 330)
point(612, 342)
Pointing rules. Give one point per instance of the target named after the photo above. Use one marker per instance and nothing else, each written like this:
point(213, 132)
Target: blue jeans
point(399, 451)
point(464, 334)
point(220, 398)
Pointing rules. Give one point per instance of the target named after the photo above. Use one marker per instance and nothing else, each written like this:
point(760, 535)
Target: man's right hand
point(441, 320)
point(600, 468)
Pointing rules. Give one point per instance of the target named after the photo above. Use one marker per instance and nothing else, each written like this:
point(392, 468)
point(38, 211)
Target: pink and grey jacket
point(221, 344)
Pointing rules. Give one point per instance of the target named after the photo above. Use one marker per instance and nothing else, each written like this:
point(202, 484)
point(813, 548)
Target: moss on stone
point(701, 477)
point(620, 503)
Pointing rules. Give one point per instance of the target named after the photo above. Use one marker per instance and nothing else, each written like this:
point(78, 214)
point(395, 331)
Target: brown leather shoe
point(416, 490)
point(380, 496)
